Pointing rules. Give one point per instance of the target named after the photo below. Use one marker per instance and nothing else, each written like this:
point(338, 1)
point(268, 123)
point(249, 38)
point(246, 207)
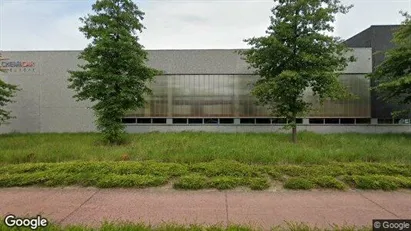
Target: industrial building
point(200, 90)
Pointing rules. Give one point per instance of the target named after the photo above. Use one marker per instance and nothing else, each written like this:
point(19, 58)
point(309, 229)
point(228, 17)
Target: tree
point(115, 76)
point(393, 76)
point(7, 91)
point(297, 54)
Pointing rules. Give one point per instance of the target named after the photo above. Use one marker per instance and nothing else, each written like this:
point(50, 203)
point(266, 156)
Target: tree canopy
point(297, 54)
point(393, 76)
point(7, 92)
point(115, 74)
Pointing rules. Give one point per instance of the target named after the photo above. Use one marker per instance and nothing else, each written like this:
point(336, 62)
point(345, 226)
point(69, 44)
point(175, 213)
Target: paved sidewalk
point(91, 206)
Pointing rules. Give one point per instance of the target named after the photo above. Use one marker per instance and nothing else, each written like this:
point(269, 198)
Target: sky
point(172, 24)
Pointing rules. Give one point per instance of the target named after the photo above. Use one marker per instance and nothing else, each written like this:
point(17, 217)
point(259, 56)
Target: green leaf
point(297, 54)
point(7, 92)
point(115, 77)
point(393, 76)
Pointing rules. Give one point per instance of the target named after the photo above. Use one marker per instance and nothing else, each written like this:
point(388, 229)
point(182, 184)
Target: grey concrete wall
point(27, 105)
point(45, 104)
point(229, 62)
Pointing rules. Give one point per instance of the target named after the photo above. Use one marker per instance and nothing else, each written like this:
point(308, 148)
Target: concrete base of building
point(322, 129)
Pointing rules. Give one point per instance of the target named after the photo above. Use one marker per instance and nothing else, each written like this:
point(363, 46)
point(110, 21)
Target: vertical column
point(149, 102)
point(236, 98)
point(170, 82)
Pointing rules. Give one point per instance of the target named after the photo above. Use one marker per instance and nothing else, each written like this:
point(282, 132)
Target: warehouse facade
point(378, 38)
point(200, 90)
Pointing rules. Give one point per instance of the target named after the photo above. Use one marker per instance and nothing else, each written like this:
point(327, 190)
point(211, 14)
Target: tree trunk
point(294, 136)
point(294, 128)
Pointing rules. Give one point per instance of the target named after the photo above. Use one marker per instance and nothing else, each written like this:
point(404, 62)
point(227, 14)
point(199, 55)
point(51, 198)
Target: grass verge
point(192, 147)
point(218, 174)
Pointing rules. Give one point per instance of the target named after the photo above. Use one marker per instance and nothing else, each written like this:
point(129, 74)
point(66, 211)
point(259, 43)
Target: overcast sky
point(171, 24)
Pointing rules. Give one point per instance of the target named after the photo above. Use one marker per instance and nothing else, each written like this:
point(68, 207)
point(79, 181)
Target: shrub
point(362, 169)
point(102, 168)
point(298, 183)
point(329, 170)
point(275, 174)
point(226, 168)
point(258, 183)
point(125, 168)
point(215, 174)
point(62, 179)
point(372, 182)
point(192, 181)
point(131, 180)
point(164, 169)
point(329, 182)
point(292, 170)
point(24, 168)
point(225, 182)
point(24, 179)
point(403, 182)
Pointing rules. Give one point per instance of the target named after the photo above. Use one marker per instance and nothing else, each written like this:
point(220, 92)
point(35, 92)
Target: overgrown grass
point(190, 147)
point(218, 174)
point(172, 227)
